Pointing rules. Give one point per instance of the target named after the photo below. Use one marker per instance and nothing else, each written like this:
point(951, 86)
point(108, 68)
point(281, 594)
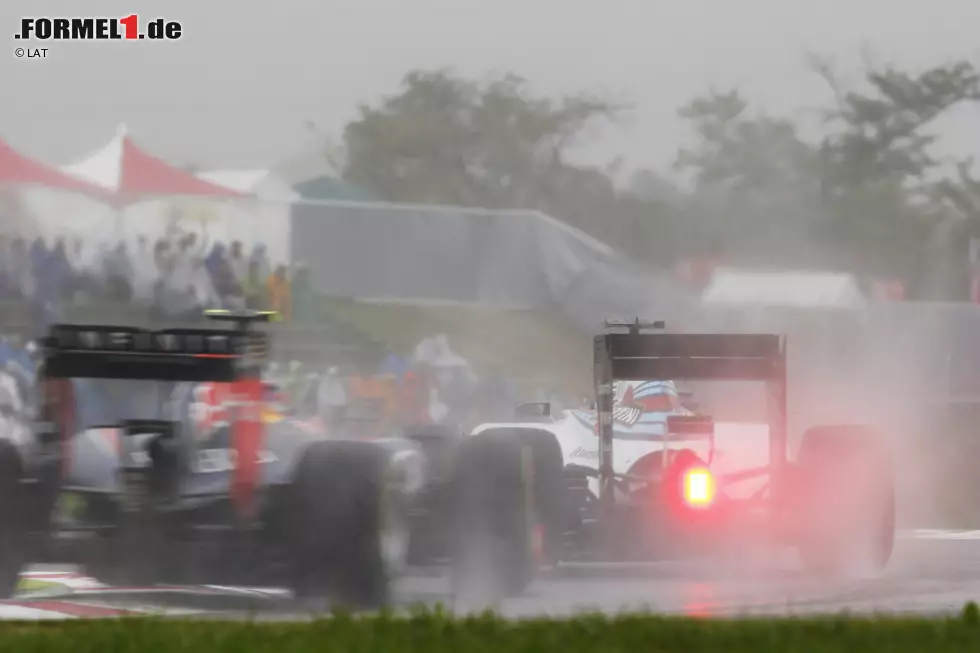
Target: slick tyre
point(846, 500)
point(13, 532)
point(350, 536)
point(492, 514)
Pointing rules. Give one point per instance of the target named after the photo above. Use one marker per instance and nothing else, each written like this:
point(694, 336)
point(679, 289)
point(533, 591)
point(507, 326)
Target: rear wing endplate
point(646, 356)
point(177, 355)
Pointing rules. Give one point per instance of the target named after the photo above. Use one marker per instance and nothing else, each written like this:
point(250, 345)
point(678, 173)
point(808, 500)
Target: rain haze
point(240, 87)
point(495, 302)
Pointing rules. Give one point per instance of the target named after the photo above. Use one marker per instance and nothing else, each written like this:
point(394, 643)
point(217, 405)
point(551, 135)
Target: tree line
point(869, 194)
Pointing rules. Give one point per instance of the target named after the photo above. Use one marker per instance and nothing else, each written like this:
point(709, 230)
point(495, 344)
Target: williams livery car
point(649, 475)
point(193, 473)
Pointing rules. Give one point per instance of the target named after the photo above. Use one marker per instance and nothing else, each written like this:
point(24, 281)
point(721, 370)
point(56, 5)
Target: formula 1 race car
point(646, 476)
point(205, 481)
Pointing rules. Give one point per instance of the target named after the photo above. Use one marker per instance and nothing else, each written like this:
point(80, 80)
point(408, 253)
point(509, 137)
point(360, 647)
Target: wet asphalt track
point(927, 576)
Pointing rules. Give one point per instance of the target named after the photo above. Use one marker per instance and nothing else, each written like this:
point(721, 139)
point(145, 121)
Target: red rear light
point(689, 487)
point(698, 487)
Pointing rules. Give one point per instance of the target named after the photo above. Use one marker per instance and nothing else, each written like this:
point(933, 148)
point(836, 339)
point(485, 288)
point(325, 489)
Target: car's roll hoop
point(635, 326)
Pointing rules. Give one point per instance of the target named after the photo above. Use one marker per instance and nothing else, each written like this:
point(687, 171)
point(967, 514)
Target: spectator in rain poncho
point(12, 267)
point(255, 288)
point(101, 252)
point(188, 289)
point(165, 258)
point(280, 296)
point(187, 250)
point(453, 379)
point(430, 350)
point(60, 276)
point(119, 273)
point(6, 270)
point(204, 293)
point(331, 396)
point(86, 269)
point(222, 278)
point(51, 271)
point(38, 255)
point(238, 262)
point(20, 263)
point(182, 274)
point(301, 288)
point(145, 271)
point(214, 260)
point(38, 261)
point(260, 258)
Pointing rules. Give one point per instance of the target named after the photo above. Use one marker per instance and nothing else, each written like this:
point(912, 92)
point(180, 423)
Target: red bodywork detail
point(59, 398)
point(247, 435)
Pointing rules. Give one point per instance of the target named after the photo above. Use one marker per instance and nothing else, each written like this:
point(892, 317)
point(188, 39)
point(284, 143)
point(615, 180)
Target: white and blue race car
point(727, 460)
point(687, 481)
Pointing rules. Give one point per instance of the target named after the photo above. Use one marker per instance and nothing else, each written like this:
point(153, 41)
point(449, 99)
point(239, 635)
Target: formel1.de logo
point(125, 28)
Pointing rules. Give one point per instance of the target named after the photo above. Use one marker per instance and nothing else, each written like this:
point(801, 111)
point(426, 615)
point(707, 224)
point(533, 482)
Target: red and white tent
point(155, 198)
point(17, 169)
point(40, 200)
point(131, 173)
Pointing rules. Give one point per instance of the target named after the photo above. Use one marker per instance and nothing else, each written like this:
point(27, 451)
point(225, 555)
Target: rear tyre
point(846, 499)
point(13, 529)
point(492, 517)
point(548, 491)
point(350, 537)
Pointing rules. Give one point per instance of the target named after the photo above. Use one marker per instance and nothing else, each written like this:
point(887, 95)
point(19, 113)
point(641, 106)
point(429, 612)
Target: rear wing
point(676, 356)
point(177, 355)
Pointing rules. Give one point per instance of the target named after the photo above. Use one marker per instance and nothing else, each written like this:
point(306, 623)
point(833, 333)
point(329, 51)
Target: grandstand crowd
point(180, 275)
point(177, 275)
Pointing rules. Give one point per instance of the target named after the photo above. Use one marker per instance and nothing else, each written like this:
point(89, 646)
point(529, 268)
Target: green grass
point(436, 633)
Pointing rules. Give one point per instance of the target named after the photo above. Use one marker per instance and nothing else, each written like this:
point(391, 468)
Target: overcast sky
point(236, 90)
